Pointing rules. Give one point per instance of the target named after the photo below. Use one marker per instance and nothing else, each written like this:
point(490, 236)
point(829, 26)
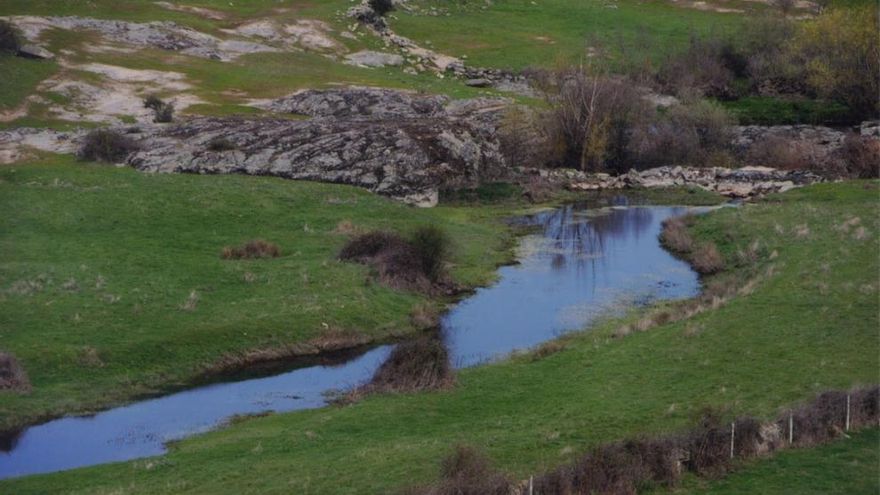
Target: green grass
point(810, 327)
point(20, 78)
point(521, 33)
point(760, 110)
point(135, 245)
point(846, 466)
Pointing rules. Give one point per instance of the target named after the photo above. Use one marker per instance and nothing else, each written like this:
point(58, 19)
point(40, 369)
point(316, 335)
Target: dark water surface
point(580, 264)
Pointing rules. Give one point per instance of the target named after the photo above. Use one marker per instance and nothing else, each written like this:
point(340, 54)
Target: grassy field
point(20, 78)
point(810, 326)
point(521, 33)
point(847, 466)
point(98, 261)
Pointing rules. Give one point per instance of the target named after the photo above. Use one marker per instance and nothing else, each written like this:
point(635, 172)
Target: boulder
point(34, 51)
point(369, 58)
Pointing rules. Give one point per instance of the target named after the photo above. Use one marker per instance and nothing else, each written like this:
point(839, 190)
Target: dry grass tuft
point(675, 236)
point(706, 259)
point(12, 375)
point(90, 357)
point(254, 249)
point(547, 349)
point(191, 303)
point(425, 315)
point(801, 231)
point(346, 227)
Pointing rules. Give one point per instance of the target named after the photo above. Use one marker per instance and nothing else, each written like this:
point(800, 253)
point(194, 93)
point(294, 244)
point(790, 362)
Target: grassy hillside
point(521, 33)
point(98, 262)
point(808, 325)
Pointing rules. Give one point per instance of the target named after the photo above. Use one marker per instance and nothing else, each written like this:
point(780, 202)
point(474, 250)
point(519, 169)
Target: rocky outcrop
point(162, 35)
point(393, 143)
point(825, 139)
point(736, 183)
point(369, 58)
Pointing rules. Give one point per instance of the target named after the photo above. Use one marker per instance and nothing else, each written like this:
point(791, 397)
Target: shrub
point(590, 116)
point(106, 146)
point(257, 248)
point(153, 102)
point(840, 52)
point(420, 364)
point(467, 471)
point(708, 66)
point(381, 7)
point(12, 375)
point(687, 134)
point(862, 156)
point(219, 144)
point(397, 261)
point(791, 154)
point(163, 112)
point(432, 246)
point(8, 38)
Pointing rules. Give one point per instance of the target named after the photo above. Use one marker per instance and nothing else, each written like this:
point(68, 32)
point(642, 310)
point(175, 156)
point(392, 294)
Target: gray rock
point(369, 58)
point(359, 102)
point(394, 143)
point(34, 51)
point(478, 83)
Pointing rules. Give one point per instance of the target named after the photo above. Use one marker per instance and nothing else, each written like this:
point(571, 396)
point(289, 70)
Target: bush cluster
point(417, 263)
point(163, 112)
point(254, 249)
point(104, 145)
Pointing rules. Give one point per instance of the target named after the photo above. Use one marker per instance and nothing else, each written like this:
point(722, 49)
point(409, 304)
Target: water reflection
point(584, 263)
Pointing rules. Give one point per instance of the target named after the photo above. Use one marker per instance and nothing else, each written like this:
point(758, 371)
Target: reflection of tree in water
point(8, 440)
point(584, 239)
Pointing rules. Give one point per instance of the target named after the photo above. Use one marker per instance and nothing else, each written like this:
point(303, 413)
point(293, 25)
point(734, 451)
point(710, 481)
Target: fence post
point(732, 437)
point(790, 428)
point(847, 412)
point(531, 485)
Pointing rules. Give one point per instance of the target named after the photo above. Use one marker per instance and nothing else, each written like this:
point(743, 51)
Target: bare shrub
point(105, 145)
point(411, 265)
point(420, 364)
point(619, 468)
point(9, 41)
point(12, 375)
point(792, 154)
point(862, 156)
point(692, 133)
point(467, 471)
point(254, 249)
point(590, 117)
point(864, 406)
point(708, 66)
point(706, 259)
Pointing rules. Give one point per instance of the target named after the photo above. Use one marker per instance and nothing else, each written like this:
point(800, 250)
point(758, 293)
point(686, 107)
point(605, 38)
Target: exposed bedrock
point(392, 143)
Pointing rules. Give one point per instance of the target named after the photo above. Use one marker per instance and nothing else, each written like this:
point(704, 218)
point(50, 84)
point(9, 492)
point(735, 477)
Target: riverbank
point(808, 325)
point(120, 314)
